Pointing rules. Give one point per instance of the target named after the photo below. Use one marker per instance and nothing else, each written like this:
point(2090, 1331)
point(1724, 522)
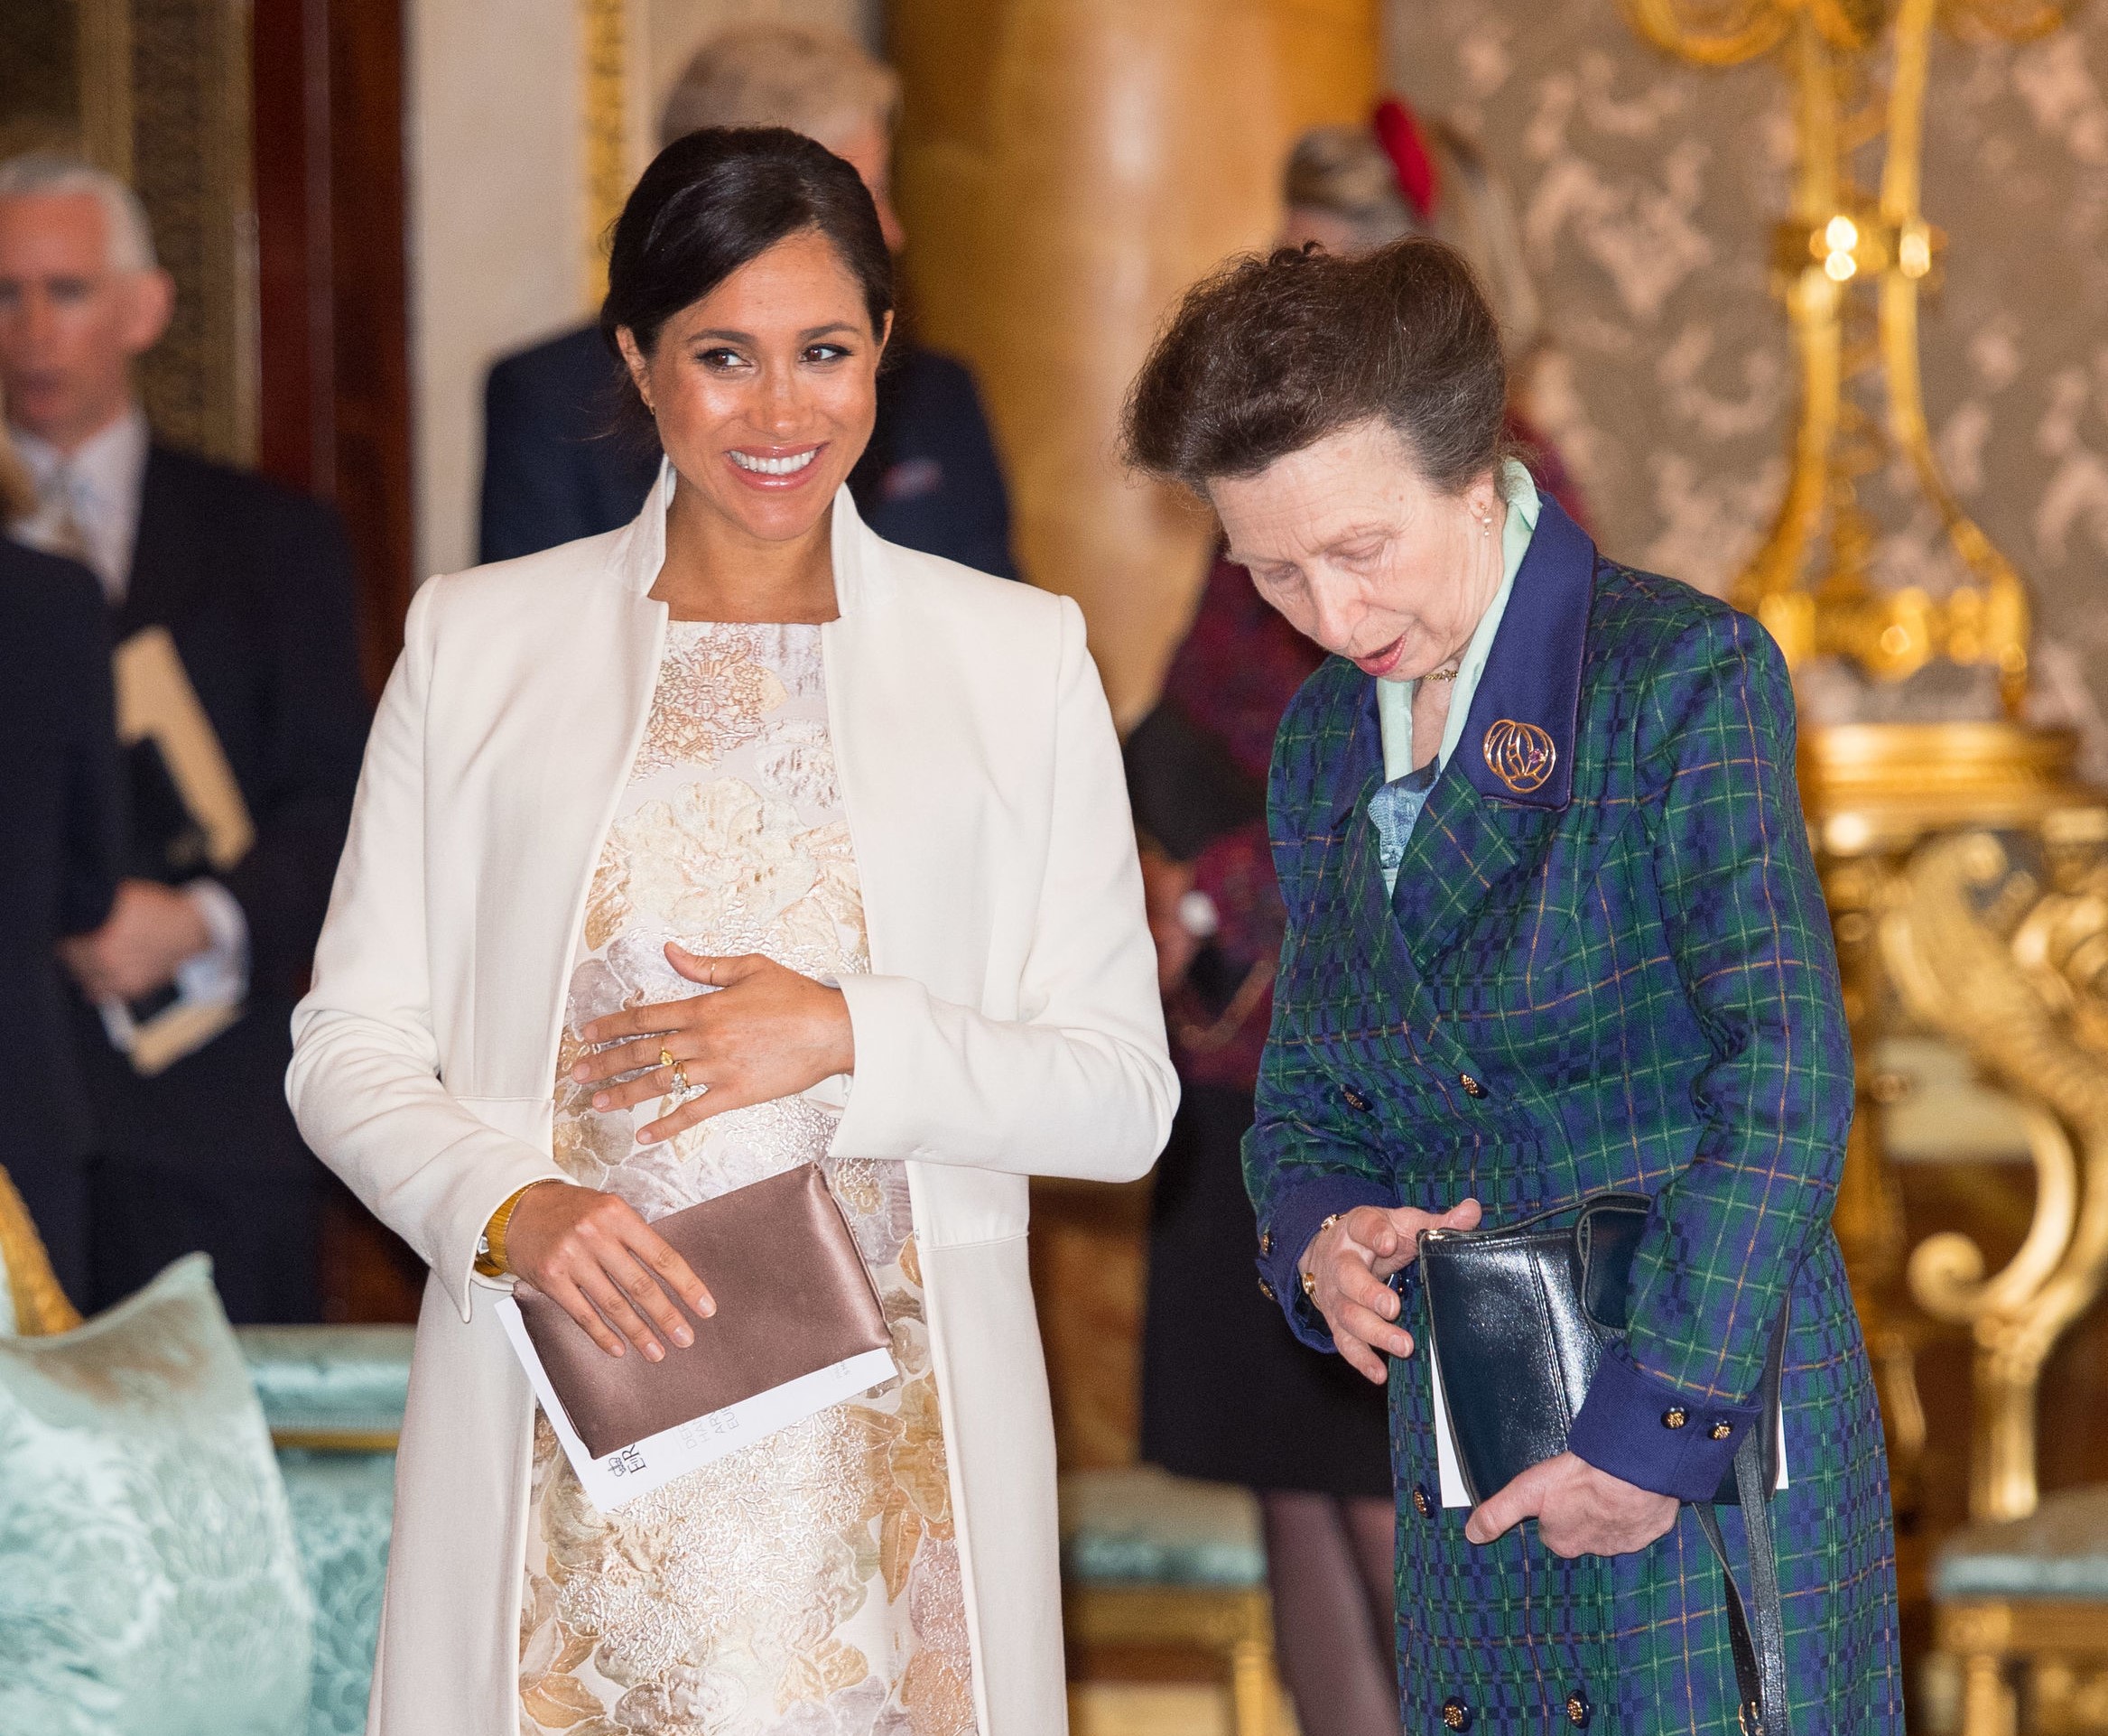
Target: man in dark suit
point(61, 845)
point(559, 462)
point(240, 792)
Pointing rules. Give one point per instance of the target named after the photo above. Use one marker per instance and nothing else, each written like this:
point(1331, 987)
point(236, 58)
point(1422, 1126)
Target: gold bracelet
point(1310, 1278)
point(490, 1259)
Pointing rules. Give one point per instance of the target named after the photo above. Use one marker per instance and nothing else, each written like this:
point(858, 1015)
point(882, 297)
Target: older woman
point(734, 840)
point(1227, 1394)
point(1552, 928)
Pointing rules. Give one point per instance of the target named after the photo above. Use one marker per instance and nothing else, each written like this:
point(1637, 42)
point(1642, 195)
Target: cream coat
point(1009, 1027)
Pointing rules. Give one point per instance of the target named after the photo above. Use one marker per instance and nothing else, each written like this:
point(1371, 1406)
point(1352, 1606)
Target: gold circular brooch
point(1520, 755)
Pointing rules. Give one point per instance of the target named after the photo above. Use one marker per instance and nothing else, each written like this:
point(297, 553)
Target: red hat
point(1399, 134)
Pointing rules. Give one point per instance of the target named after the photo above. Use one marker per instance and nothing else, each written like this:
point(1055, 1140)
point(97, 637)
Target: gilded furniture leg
point(1868, 1217)
point(1251, 1689)
point(2016, 974)
point(1989, 1705)
point(39, 1304)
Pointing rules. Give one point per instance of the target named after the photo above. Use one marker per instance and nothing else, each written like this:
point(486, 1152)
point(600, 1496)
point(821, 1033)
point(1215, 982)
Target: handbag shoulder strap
point(1759, 1656)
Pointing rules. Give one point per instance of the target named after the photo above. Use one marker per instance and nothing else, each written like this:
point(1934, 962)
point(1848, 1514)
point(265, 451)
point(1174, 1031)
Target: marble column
point(1066, 167)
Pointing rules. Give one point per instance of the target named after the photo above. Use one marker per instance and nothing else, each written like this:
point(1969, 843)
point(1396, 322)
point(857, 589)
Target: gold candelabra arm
point(1710, 33)
point(2022, 1012)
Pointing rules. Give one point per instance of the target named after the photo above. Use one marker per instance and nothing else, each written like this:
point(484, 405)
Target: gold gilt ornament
point(1850, 262)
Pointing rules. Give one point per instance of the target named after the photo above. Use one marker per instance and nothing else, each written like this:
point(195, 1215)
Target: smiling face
point(1361, 556)
point(764, 391)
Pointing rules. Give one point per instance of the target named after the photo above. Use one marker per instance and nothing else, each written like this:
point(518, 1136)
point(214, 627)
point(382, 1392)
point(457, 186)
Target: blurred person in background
point(557, 463)
point(60, 854)
point(1227, 1393)
point(251, 585)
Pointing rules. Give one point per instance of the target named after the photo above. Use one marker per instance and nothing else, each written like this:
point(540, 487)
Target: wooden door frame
point(333, 284)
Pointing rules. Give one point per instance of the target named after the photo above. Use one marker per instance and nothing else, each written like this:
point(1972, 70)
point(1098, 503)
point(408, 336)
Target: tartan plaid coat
point(1607, 964)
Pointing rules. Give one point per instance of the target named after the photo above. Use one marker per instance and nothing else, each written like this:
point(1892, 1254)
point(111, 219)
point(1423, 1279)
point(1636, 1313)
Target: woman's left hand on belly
point(767, 1032)
point(1579, 1509)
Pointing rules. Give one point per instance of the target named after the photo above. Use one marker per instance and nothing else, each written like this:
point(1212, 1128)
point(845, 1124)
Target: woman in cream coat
point(1007, 1024)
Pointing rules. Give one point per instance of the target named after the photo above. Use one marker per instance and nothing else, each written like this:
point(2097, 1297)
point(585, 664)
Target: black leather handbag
point(1516, 1319)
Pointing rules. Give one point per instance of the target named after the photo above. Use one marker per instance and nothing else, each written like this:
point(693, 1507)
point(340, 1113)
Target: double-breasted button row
point(1456, 1713)
point(1469, 1084)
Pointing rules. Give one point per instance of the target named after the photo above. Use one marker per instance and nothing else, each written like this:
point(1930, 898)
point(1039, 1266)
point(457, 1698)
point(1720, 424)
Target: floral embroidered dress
point(808, 1585)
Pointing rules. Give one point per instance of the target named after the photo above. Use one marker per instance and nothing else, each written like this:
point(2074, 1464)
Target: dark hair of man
point(718, 199)
point(1271, 355)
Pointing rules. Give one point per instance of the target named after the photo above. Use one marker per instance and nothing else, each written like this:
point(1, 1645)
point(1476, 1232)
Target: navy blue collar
point(1518, 743)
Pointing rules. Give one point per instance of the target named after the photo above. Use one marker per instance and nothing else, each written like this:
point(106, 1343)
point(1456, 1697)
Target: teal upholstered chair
point(2022, 1609)
point(332, 1396)
point(1155, 1563)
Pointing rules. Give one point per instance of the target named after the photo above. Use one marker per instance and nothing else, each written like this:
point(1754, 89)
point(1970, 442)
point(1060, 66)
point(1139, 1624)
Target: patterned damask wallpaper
point(1646, 191)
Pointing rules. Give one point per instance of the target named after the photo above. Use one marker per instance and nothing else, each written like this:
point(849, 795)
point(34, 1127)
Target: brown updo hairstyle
point(719, 198)
point(1271, 355)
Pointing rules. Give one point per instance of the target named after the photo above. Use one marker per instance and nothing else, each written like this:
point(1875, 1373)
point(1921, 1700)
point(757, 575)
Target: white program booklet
point(645, 1465)
point(1454, 1493)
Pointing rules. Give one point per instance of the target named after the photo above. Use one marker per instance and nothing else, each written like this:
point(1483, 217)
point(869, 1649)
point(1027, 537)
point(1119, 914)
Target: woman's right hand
point(1350, 1263)
point(594, 1255)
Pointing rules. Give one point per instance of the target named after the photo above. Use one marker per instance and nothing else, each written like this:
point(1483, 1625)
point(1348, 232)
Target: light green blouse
point(1396, 805)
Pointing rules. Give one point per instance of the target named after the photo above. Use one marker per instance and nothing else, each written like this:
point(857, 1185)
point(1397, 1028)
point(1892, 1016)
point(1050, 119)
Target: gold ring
point(665, 1057)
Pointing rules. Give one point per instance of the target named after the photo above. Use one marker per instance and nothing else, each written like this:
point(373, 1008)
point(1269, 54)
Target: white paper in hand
point(626, 1473)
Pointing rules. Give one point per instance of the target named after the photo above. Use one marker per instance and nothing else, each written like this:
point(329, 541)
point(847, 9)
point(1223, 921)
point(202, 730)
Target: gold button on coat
point(1266, 1290)
point(1675, 1416)
point(1721, 1431)
point(1471, 1086)
point(1266, 1244)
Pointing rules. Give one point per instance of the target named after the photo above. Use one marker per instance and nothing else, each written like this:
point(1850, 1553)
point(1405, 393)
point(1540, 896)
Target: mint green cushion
point(1139, 1526)
point(2058, 1551)
point(329, 1379)
point(342, 1503)
point(148, 1580)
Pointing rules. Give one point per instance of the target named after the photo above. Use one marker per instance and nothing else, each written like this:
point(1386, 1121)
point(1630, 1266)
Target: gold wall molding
point(604, 57)
point(190, 100)
point(105, 48)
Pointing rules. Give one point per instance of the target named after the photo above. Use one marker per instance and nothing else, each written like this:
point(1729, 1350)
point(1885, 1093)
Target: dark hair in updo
point(719, 198)
point(1271, 355)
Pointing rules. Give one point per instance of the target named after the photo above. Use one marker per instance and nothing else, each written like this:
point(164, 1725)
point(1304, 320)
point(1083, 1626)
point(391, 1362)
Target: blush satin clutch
point(793, 1295)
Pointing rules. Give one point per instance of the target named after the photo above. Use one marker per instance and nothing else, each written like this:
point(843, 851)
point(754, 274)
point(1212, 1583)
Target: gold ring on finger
point(666, 1058)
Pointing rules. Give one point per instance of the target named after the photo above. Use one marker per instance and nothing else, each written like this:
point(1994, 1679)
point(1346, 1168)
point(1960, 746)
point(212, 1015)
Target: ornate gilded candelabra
point(1966, 869)
point(1850, 261)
